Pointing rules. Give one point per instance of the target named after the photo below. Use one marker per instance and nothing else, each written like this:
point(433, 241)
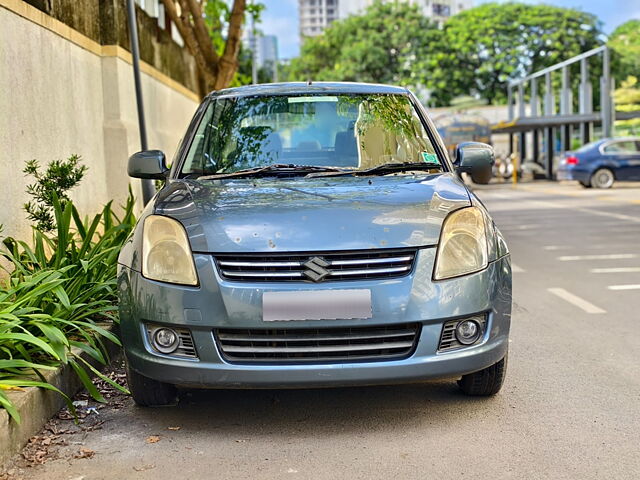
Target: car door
point(624, 157)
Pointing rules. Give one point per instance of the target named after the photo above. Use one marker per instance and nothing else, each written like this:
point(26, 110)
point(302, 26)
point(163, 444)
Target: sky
point(280, 17)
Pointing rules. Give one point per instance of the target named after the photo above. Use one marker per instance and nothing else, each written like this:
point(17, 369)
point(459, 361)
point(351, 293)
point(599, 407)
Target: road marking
point(613, 256)
point(576, 301)
point(558, 247)
point(516, 269)
point(619, 216)
point(624, 287)
point(615, 270)
point(521, 227)
point(499, 195)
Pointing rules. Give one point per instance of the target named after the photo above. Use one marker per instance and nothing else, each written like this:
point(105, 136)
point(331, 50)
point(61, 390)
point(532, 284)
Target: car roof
point(309, 88)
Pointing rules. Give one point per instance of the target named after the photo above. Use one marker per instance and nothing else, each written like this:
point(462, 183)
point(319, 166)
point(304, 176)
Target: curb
point(37, 405)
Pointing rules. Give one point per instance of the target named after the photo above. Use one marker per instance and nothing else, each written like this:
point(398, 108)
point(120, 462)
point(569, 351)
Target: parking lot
point(569, 408)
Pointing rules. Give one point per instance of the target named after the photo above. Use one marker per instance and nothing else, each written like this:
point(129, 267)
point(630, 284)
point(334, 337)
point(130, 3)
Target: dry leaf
point(4, 386)
point(153, 439)
point(84, 453)
point(174, 428)
point(142, 468)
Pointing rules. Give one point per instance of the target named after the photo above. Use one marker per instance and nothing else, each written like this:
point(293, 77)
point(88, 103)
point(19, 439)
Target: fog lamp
point(165, 340)
point(468, 332)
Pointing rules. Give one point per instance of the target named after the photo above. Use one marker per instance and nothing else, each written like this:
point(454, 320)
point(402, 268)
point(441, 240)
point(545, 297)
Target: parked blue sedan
point(598, 164)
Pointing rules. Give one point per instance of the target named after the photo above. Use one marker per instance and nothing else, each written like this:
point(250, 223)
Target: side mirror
point(475, 158)
point(148, 164)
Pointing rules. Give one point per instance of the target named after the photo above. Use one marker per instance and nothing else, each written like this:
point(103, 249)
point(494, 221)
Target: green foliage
point(625, 42)
point(474, 54)
point(482, 48)
point(244, 74)
point(216, 15)
point(58, 178)
point(59, 294)
point(381, 45)
point(627, 99)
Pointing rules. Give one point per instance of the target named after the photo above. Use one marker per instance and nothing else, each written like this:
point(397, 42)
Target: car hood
point(312, 214)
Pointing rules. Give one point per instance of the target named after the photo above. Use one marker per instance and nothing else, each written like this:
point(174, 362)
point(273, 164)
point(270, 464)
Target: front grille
point(316, 267)
point(305, 345)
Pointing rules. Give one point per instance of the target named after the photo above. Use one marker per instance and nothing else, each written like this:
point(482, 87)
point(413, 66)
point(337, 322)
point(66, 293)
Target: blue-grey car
point(313, 235)
point(599, 164)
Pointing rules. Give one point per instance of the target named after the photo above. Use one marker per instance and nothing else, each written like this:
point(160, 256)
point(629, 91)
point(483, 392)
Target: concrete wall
point(61, 93)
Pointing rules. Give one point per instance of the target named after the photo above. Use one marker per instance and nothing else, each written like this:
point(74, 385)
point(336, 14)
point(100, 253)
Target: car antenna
point(309, 82)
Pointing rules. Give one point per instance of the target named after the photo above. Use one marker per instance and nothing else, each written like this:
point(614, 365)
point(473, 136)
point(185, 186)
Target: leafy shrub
point(59, 177)
point(59, 294)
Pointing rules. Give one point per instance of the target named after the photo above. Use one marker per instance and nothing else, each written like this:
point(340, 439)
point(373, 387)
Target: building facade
point(265, 51)
point(316, 15)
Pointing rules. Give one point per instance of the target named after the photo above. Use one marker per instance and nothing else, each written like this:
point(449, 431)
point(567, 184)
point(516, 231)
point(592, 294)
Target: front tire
point(602, 178)
point(148, 392)
point(485, 382)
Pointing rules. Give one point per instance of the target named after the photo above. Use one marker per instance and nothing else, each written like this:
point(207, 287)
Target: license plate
point(316, 305)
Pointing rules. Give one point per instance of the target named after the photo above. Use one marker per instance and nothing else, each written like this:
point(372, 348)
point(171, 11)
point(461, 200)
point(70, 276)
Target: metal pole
point(510, 103)
point(586, 103)
point(549, 140)
point(522, 137)
point(254, 52)
point(565, 109)
point(148, 188)
point(549, 103)
point(534, 98)
point(606, 102)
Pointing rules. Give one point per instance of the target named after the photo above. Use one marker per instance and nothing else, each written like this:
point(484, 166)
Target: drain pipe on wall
point(148, 188)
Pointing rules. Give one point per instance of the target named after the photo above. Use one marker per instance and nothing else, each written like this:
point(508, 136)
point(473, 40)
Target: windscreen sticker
point(430, 157)
point(312, 98)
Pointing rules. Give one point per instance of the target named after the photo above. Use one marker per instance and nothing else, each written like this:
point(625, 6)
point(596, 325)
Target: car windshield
point(355, 132)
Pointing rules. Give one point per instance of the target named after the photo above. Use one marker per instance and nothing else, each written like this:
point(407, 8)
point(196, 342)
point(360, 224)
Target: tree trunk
point(217, 70)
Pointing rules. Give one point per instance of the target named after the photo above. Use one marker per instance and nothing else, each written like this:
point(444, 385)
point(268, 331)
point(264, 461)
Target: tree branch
point(200, 30)
point(186, 32)
point(229, 59)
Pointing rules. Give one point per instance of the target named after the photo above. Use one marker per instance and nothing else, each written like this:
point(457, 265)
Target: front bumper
point(221, 304)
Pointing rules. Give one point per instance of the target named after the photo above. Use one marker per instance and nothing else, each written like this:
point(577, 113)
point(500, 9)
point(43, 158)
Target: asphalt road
point(570, 407)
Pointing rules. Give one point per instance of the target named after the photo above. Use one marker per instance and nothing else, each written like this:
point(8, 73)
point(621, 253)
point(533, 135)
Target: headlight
point(166, 254)
point(463, 244)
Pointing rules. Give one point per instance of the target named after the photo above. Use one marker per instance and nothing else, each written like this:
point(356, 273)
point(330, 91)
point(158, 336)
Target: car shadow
point(353, 409)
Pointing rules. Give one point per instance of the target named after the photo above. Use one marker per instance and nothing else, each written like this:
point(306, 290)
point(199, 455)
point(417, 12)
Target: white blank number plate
point(316, 305)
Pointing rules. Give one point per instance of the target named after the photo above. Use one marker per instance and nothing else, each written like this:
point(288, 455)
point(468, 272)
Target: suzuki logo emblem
point(315, 269)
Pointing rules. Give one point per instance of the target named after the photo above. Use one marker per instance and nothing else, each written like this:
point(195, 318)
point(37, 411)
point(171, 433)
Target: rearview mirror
point(148, 164)
point(476, 159)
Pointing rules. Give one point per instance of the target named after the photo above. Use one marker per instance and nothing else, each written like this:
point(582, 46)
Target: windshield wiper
point(271, 170)
point(384, 169)
point(399, 167)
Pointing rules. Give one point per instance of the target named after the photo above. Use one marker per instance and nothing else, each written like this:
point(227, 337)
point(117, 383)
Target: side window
point(626, 146)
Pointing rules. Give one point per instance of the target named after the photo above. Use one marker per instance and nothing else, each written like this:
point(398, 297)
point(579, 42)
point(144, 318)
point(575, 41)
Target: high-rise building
point(265, 51)
point(316, 15)
point(267, 54)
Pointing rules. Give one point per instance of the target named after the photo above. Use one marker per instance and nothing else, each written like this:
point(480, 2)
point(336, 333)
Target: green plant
point(59, 295)
point(58, 178)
